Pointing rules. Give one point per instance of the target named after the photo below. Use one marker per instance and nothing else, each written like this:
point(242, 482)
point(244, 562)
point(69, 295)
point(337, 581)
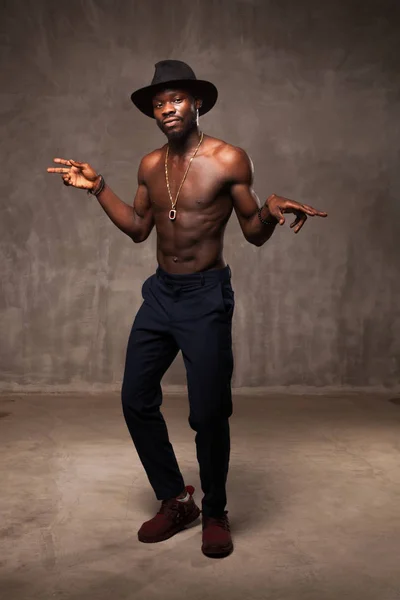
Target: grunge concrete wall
point(310, 89)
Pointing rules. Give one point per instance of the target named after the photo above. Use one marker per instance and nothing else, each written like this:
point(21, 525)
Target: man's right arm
point(136, 221)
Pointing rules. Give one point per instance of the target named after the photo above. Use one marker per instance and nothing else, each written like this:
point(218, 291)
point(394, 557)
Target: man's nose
point(168, 109)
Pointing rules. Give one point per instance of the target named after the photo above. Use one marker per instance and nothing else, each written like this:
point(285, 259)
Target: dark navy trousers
point(192, 313)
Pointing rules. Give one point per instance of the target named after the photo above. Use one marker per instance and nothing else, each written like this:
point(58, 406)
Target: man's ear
point(198, 103)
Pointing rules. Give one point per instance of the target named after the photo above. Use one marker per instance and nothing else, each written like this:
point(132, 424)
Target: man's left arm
point(258, 222)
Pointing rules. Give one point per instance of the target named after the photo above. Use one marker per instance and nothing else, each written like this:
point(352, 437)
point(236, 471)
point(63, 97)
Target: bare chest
point(197, 191)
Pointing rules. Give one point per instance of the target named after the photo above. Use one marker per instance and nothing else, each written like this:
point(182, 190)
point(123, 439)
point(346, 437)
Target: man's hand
point(277, 205)
point(79, 175)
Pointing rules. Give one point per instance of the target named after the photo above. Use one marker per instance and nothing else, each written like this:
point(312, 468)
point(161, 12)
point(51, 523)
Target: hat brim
point(143, 98)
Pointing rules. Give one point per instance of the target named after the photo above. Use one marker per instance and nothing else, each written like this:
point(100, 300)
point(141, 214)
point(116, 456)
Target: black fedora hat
point(175, 74)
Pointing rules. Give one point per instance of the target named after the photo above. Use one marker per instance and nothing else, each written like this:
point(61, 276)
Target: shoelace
point(222, 521)
point(170, 508)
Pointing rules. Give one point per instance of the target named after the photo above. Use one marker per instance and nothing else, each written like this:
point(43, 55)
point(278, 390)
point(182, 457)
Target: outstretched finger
point(309, 210)
point(295, 222)
point(62, 161)
point(314, 211)
point(57, 170)
point(76, 163)
point(302, 219)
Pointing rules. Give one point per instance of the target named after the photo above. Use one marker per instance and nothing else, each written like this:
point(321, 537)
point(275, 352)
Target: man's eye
point(178, 99)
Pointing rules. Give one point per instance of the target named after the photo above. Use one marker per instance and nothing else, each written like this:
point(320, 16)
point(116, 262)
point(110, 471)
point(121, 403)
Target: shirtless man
point(187, 189)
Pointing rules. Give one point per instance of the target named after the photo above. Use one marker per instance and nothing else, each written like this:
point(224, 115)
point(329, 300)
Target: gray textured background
point(310, 89)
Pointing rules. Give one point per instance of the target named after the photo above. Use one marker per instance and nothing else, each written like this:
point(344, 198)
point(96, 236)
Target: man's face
point(175, 112)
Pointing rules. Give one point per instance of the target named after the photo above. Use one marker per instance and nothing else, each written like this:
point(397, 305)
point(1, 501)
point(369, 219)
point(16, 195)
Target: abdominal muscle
point(184, 248)
point(206, 256)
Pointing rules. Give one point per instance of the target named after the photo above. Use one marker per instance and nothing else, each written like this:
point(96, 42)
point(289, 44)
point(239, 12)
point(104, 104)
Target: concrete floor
point(313, 499)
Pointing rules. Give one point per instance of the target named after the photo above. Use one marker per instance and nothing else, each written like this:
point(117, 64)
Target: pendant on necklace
point(172, 214)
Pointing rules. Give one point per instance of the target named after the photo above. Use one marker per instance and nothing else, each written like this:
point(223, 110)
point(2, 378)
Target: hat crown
point(170, 70)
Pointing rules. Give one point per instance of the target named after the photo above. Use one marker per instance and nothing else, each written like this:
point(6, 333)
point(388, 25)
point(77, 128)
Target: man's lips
point(171, 120)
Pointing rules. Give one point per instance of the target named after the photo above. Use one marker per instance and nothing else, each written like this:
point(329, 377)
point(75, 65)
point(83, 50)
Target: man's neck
point(185, 145)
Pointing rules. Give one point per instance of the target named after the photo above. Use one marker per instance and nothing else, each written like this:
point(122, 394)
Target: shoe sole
point(218, 553)
point(165, 536)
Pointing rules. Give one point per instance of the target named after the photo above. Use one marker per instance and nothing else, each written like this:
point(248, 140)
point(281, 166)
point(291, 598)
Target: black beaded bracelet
point(102, 184)
point(266, 222)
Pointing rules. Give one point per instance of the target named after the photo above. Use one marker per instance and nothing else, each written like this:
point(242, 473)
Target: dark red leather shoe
point(172, 517)
point(217, 541)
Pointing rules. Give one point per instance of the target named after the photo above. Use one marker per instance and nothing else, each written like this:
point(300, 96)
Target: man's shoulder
point(149, 162)
point(229, 156)
point(152, 158)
